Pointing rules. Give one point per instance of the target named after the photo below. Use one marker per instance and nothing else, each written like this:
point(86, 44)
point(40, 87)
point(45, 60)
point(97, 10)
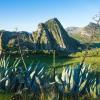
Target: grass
point(60, 61)
point(5, 96)
point(84, 39)
point(28, 97)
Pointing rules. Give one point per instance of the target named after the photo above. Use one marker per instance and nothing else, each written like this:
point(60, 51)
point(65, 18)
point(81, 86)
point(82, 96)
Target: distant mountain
point(74, 30)
point(49, 36)
point(82, 33)
point(92, 28)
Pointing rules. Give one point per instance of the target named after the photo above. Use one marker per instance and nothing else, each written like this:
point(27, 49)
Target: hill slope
point(49, 36)
point(84, 33)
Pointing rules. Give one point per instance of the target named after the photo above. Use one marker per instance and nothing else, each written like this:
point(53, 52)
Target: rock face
point(49, 36)
point(10, 40)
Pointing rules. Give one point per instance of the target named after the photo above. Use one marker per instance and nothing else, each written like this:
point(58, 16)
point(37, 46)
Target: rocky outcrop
point(52, 36)
point(49, 36)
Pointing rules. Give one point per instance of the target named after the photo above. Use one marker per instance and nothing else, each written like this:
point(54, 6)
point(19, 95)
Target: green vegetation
point(39, 83)
point(59, 60)
point(77, 80)
point(5, 96)
point(41, 66)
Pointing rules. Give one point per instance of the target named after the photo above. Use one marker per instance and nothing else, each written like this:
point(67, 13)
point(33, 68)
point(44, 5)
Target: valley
point(37, 61)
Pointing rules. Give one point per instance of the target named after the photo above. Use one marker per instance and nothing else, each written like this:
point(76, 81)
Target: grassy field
point(60, 61)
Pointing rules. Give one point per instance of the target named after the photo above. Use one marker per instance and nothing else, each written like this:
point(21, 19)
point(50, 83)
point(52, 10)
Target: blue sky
point(26, 14)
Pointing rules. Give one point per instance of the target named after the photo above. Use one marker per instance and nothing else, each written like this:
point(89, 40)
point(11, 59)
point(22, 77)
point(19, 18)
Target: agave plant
point(34, 78)
point(77, 80)
point(93, 86)
point(6, 71)
point(15, 77)
point(98, 87)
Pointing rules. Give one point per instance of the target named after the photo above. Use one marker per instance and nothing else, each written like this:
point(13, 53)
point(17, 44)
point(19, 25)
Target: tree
point(1, 43)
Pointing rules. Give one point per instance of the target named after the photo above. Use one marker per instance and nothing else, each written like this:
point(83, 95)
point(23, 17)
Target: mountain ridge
point(83, 34)
point(49, 35)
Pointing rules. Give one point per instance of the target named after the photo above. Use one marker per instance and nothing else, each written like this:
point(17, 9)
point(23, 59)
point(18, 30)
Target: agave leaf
point(83, 69)
point(58, 80)
point(82, 85)
point(30, 67)
point(16, 63)
point(42, 76)
point(6, 72)
point(37, 80)
point(93, 92)
point(94, 84)
point(98, 89)
point(67, 78)
point(32, 74)
point(41, 71)
point(3, 79)
point(72, 82)
point(51, 83)
point(63, 75)
point(7, 82)
point(7, 61)
point(36, 69)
